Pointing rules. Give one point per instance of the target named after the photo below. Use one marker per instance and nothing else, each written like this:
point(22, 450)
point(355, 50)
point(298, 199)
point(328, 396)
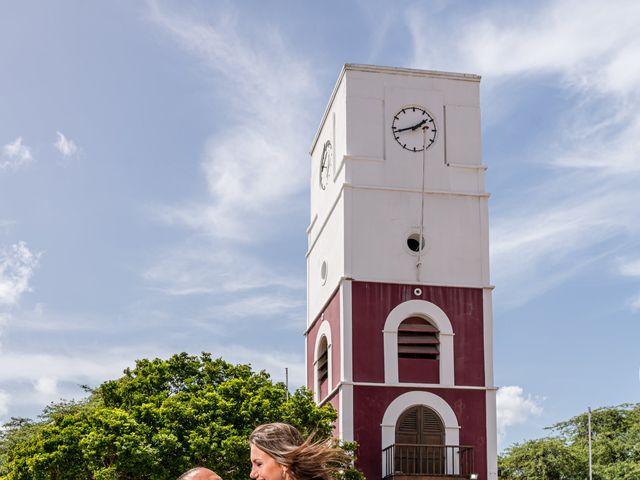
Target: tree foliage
point(158, 420)
point(564, 456)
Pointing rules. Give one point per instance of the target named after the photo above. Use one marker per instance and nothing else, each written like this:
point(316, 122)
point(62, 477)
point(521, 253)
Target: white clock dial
point(326, 162)
point(414, 128)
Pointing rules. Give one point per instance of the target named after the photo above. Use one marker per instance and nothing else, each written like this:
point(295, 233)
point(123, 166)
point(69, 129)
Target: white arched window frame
point(430, 312)
point(427, 399)
point(324, 331)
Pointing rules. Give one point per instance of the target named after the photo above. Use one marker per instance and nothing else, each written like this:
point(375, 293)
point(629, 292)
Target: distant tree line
point(564, 454)
point(158, 420)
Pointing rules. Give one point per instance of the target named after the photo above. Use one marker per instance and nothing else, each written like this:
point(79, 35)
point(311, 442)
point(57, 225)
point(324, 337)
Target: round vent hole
point(323, 272)
point(414, 242)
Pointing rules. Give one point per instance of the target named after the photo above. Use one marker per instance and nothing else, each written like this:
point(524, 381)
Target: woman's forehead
point(256, 453)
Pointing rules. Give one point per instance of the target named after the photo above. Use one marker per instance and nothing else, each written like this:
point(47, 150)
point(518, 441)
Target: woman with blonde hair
point(279, 452)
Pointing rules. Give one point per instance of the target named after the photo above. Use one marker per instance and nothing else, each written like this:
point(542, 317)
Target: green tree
point(615, 440)
point(564, 455)
point(541, 459)
point(158, 420)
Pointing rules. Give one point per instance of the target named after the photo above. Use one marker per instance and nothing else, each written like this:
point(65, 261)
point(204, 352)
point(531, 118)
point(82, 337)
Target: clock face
point(325, 163)
point(414, 128)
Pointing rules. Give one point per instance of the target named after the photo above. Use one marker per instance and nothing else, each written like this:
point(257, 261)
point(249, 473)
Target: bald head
point(199, 473)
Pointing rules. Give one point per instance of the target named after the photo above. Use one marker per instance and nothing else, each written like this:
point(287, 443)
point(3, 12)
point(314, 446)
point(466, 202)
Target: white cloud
point(65, 146)
point(17, 264)
point(513, 408)
point(6, 224)
point(4, 320)
point(629, 268)
point(585, 203)
point(15, 154)
point(585, 41)
point(4, 403)
point(272, 360)
point(256, 169)
point(634, 303)
point(39, 378)
point(189, 270)
point(46, 386)
point(257, 306)
point(79, 367)
point(255, 165)
point(239, 284)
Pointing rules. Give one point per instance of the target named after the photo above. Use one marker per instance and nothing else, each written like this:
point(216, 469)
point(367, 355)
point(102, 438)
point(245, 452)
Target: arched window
point(418, 338)
point(419, 370)
point(392, 419)
point(323, 362)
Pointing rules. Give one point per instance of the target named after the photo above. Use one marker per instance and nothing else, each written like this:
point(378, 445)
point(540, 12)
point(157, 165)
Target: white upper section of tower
point(369, 196)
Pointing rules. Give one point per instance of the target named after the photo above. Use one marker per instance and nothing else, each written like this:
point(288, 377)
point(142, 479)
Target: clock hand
point(413, 127)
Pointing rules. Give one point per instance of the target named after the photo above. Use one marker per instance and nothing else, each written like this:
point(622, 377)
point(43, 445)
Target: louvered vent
point(409, 422)
point(417, 338)
point(420, 425)
point(430, 421)
point(323, 361)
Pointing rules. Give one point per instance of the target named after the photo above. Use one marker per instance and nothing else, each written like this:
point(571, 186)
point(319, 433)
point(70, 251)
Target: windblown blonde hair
point(305, 459)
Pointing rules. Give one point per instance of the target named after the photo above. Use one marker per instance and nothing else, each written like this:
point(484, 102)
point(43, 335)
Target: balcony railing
point(427, 460)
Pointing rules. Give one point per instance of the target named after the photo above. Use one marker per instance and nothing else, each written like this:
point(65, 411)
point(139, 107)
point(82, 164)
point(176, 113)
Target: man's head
point(199, 473)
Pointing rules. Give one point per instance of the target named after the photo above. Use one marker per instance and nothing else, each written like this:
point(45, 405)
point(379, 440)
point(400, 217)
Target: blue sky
point(154, 176)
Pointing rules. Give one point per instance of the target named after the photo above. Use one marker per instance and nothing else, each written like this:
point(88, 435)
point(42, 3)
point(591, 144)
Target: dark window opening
point(323, 361)
point(414, 242)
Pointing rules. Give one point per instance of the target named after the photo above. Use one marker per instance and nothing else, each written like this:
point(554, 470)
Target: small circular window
point(415, 242)
point(323, 272)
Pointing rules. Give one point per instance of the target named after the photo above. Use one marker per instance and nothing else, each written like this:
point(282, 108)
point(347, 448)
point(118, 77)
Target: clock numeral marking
point(415, 126)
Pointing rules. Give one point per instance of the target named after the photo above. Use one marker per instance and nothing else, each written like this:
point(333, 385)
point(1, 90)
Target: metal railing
point(432, 460)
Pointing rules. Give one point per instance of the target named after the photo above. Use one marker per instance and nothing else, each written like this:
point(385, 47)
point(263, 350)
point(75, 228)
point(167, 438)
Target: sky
point(154, 175)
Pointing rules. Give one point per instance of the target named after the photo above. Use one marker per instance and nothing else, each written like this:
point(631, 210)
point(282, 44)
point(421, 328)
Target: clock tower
point(399, 320)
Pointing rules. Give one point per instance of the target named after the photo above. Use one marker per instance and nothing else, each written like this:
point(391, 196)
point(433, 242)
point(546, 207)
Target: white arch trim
point(427, 310)
point(323, 331)
point(411, 399)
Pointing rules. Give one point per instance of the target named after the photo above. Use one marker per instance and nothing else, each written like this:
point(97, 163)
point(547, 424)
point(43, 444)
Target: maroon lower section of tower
point(370, 404)
point(371, 304)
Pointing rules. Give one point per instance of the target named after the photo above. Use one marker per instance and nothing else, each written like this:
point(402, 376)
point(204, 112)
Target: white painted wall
point(359, 224)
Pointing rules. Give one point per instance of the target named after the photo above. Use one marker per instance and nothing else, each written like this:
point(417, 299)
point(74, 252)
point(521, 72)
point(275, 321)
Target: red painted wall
point(372, 303)
point(331, 315)
point(371, 402)
point(418, 370)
